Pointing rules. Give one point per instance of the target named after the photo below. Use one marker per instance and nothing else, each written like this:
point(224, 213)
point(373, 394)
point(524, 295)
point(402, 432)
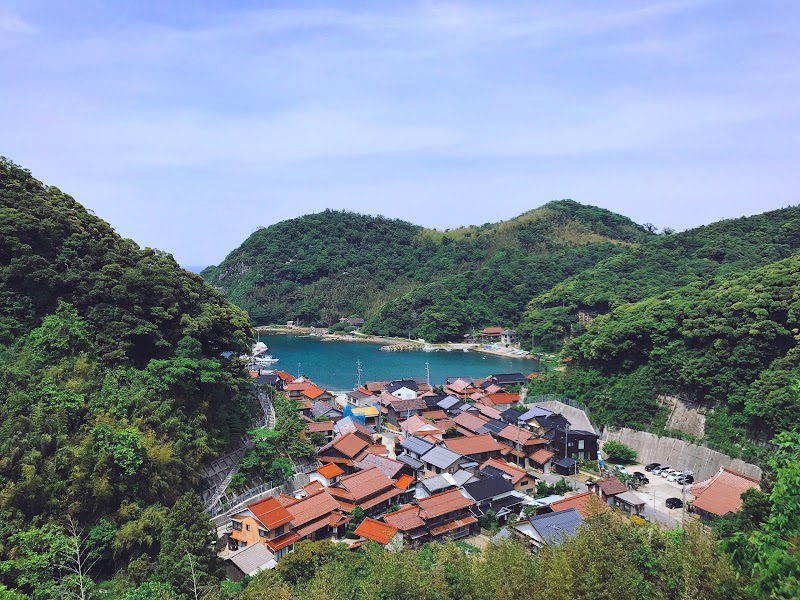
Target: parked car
point(674, 475)
point(666, 472)
point(652, 466)
point(659, 469)
point(674, 503)
point(685, 479)
point(641, 477)
point(620, 469)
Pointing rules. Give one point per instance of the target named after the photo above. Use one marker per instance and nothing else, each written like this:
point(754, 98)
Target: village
point(403, 463)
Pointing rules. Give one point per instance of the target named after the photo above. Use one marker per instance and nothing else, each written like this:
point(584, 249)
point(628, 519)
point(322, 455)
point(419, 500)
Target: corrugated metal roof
point(555, 527)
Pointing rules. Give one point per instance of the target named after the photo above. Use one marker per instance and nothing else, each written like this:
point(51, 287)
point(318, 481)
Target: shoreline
point(372, 339)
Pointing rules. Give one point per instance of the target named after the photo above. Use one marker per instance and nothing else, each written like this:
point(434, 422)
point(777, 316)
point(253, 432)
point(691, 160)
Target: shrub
point(617, 452)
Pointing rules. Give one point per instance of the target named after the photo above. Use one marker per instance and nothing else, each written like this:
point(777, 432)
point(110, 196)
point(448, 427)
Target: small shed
point(249, 561)
point(565, 466)
point(629, 502)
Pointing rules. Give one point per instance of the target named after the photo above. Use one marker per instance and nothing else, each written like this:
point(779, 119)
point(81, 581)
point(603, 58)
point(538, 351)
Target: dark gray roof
point(555, 527)
point(441, 457)
point(358, 395)
point(432, 401)
point(534, 413)
point(494, 426)
point(416, 445)
point(488, 487)
point(319, 409)
point(410, 461)
point(269, 379)
point(569, 463)
point(402, 383)
point(510, 415)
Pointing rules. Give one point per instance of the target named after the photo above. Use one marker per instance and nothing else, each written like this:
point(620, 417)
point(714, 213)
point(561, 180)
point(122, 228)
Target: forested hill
point(113, 390)
point(662, 263)
point(317, 268)
point(730, 343)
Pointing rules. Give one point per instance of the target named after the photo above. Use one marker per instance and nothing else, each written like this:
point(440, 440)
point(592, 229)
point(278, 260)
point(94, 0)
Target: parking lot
point(656, 494)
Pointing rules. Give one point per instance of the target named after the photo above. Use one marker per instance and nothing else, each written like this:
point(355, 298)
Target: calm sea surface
point(332, 365)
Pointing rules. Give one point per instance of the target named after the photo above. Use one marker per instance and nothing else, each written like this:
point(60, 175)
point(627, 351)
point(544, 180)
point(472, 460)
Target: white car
point(667, 473)
point(620, 469)
point(674, 475)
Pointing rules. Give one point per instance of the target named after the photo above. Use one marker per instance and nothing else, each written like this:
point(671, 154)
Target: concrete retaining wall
point(678, 454)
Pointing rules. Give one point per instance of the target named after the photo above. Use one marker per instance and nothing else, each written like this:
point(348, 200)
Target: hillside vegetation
point(113, 390)
point(729, 342)
point(660, 264)
point(317, 268)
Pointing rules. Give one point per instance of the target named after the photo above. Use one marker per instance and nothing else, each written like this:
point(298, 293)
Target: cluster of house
point(457, 455)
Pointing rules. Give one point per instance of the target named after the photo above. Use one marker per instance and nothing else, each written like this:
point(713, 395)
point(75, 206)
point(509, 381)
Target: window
point(581, 444)
point(237, 525)
point(279, 530)
point(247, 527)
point(263, 533)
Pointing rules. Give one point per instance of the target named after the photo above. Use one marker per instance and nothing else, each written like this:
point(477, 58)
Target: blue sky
point(187, 125)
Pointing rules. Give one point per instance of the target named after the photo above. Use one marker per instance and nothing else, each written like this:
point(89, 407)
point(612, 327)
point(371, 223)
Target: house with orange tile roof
point(500, 400)
point(314, 393)
point(607, 488)
point(721, 493)
point(370, 489)
point(469, 423)
point(586, 503)
point(443, 516)
point(266, 522)
point(345, 451)
point(381, 533)
point(317, 516)
point(541, 459)
point(286, 377)
point(476, 447)
point(328, 474)
point(420, 427)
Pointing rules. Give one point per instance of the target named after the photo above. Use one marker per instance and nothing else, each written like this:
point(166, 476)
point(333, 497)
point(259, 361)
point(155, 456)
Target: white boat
point(265, 359)
point(428, 348)
point(259, 348)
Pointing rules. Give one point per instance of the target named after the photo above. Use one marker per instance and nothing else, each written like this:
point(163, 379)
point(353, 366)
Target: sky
point(187, 125)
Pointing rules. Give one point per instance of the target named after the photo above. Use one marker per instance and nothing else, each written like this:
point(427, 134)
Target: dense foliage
point(665, 262)
point(763, 538)
point(609, 558)
point(113, 391)
point(730, 343)
point(317, 268)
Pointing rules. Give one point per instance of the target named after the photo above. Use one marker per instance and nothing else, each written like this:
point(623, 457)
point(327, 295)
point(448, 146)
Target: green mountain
point(729, 343)
point(317, 268)
point(660, 264)
point(113, 390)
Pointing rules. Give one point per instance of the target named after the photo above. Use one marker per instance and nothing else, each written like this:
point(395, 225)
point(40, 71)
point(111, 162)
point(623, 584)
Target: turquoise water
point(332, 365)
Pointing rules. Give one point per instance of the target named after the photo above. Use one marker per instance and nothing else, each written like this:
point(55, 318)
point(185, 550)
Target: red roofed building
point(476, 447)
point(345, 451)
point(441, 516)
point(317, 516)
point(381, 533)
point(266, 522)
point(521, 480)
point(721, 493)
point(370, 489)
point(317, 394)
point(587, 504)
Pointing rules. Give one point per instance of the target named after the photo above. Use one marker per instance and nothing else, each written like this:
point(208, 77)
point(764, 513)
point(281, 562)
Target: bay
point(332, 364)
